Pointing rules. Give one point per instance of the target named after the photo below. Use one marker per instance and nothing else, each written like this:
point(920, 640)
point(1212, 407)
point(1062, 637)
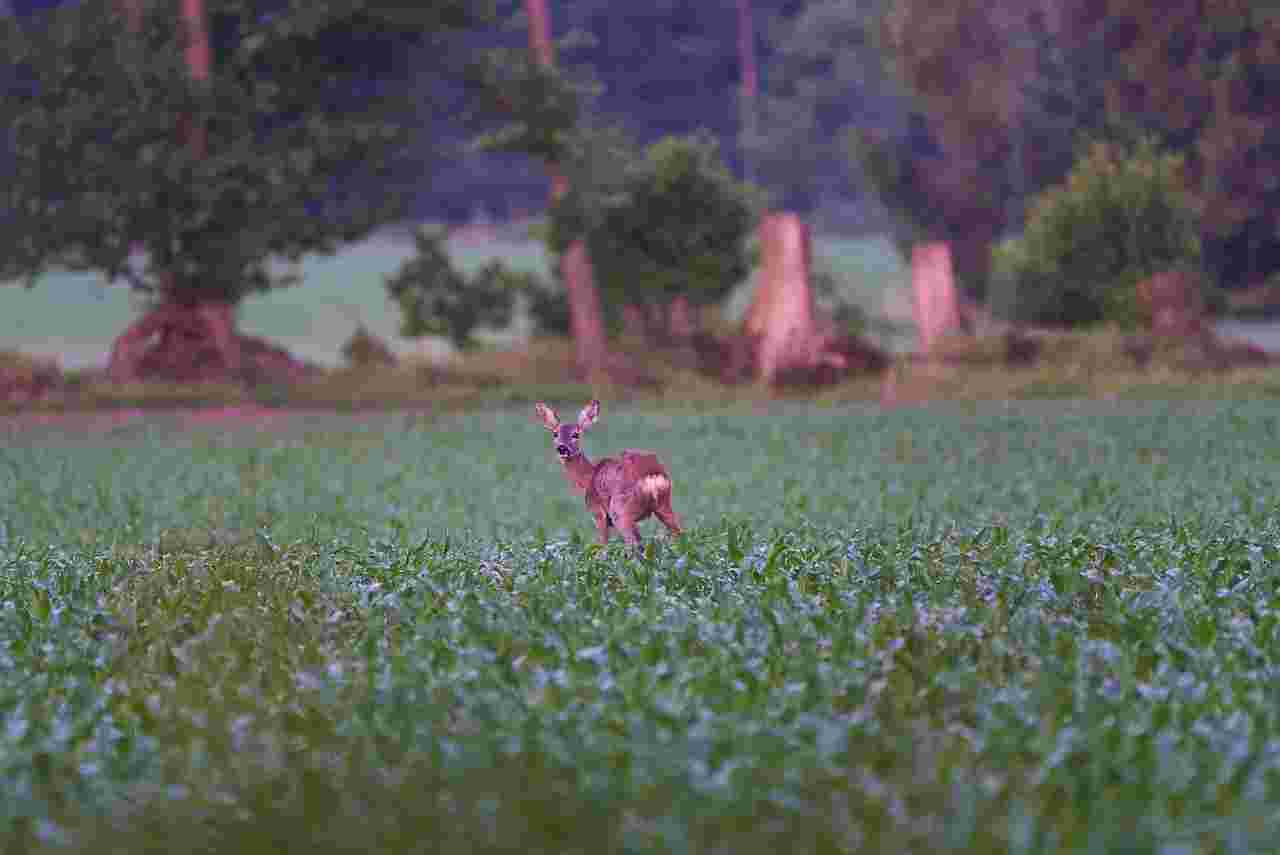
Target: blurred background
point(364, 181)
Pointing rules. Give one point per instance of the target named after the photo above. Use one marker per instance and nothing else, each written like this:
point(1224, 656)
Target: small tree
point(545, 108)
point(667, 224)
point(98, 166)
point(436, 298)
point(1120, 217)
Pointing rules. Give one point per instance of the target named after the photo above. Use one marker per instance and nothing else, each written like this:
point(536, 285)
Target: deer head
point(566, 436)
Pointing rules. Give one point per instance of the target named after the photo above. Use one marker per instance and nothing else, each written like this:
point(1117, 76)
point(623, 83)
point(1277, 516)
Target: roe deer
point(620, 492)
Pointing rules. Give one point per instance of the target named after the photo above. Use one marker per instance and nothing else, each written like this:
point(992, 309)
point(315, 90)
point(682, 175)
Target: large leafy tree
point(295, 126)
point(995, 112)
point(825, 73)
point(1203, 76)
point(1003, 94)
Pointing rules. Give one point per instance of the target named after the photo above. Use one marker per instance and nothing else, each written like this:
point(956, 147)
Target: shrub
point(364, 349)
point(1122, 216)
point(436, 298)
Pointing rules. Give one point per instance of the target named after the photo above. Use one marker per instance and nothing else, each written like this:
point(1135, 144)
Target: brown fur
point(619, 492)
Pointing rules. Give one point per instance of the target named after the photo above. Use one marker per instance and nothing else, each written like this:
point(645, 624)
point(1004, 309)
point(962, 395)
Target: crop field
point(1042, 627)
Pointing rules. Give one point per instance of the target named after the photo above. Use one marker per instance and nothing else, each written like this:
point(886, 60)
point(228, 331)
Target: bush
point(435, 298)
point(674, 223)
point(548, 306)
point(1121, 217)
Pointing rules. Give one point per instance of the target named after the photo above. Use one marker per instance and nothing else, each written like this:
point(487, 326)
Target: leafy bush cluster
point(669, 222)
point(1121, 216)
point(436, 298)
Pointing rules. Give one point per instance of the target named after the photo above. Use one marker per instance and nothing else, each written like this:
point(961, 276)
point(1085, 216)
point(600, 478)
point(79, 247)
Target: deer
point(619, 492)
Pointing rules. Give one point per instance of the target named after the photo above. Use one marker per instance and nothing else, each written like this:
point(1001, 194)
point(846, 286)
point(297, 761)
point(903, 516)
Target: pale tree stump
point(781, 315)
point(792, 345)
point(935, 308)
point(933, 290)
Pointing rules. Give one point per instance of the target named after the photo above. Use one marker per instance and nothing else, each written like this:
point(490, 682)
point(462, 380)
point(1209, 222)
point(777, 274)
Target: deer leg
point(626, 513)
point(631, 535)
point(667, 516)
point(665, 513)
point(602, 526)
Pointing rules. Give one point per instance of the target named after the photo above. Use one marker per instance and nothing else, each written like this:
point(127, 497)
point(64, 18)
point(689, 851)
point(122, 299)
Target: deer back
point(614, 476)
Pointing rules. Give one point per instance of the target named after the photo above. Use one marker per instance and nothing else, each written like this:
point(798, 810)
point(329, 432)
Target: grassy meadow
point(1034, 627)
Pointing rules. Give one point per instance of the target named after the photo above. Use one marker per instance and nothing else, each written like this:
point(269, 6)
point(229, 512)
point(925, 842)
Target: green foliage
point(891, 172)
point(1122, 215)
point(835, 295)
point(668, 221)
point(1202, 79)
point(819, 52)
point(1058, 635)
point(548, 306)
point(538, 107)
point(99, 165)
point(671, 222)
point(435, 298)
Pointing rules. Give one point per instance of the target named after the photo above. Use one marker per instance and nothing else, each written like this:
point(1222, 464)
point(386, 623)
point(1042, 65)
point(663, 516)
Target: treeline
point(1003, 97)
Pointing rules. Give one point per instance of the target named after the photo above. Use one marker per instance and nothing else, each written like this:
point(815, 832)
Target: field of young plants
point(1042, 627)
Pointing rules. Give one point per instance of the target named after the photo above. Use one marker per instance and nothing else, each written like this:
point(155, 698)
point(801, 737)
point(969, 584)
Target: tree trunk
point(781, 315)
point(934, 302)
point(183, 342)
point(750, 83)
point(198, 60)
point(792, 345)
point(586, 321)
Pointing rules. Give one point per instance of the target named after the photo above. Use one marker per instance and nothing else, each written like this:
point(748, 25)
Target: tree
point(1203, 77)
point(546, 121)
point(1006, 94)
point(997, 98)
point(438, 299)
point(749, 84)
point(1122, 216)
point(100, 161)
point(962, 64)
point(669, 225)
point(825, 73)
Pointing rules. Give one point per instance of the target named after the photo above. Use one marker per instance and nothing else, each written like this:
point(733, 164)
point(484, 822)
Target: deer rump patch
point(640, 464)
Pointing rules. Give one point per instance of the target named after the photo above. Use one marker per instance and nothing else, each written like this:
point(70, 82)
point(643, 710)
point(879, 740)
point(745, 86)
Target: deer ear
point(546, 415)
point(589, 414)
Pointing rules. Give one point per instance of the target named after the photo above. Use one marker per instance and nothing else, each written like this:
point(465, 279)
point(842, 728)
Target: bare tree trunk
point(750, 82)
point(198, 60)
point(933, 287)
point(781, 315)
point(586, 321)
point(682, 321)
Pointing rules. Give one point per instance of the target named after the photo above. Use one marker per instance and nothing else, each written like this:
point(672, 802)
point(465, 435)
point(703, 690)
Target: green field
point(1035, 628)
point(74, 317)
